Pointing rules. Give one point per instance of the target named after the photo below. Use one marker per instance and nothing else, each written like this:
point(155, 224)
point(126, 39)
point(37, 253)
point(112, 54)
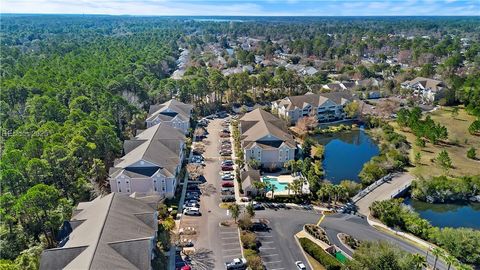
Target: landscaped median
point(315, 243)
point(327, 260)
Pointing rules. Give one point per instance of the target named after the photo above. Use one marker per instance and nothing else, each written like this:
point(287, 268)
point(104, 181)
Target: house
point(429, 90)
point(309, 71)
point(172, 113)
point(334, 87)
point(151, 163)
point(111, 232)
point(265, 138)
point(249, 177)
point(326, 106)
point(368, 83)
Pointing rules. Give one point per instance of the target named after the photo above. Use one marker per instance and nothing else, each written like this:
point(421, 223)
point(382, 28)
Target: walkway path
point(385, 191)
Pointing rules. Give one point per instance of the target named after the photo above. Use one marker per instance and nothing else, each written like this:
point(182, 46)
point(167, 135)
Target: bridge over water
point(385, 188)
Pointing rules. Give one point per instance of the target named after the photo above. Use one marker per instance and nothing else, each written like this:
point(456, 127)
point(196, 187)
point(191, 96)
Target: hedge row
point(320, 255)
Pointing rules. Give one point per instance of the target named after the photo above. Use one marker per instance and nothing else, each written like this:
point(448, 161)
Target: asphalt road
point(360, 229)
point(279, 249)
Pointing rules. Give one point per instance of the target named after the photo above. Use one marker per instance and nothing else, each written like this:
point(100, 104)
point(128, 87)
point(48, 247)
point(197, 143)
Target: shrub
point(472, 153)
point(254, 261)
point(249, 240)
point(320, 255)
point(317, 232)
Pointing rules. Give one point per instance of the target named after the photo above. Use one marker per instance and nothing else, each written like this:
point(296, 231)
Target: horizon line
point(252, 16)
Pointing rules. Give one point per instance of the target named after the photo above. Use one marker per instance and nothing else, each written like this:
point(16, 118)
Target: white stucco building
point(151, 162)
point(326, 107)
point(265, 138)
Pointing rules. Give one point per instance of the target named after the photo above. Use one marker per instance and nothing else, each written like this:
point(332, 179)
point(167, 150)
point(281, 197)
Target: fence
point(362, 193)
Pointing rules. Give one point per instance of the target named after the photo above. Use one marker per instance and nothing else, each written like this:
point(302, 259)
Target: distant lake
point(345, 154)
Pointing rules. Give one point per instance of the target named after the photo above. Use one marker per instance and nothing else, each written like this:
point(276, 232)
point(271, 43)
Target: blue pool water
point(278, 186)
point(345, 154)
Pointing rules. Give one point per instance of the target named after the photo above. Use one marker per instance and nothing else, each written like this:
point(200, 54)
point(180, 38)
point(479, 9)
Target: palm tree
point(260, 187)
point(297, 186)
point(289, 187)
point(250, 210)
point(449, 259)
point(272, 188)
point(338, 192)
point(436, 252)
point(419, 261)
point(234, 211)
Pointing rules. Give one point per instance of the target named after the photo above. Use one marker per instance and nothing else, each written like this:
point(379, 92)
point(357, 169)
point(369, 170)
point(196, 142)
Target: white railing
point(362, 193)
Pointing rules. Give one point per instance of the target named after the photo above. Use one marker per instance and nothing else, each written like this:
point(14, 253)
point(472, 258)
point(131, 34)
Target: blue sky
point(247, 7)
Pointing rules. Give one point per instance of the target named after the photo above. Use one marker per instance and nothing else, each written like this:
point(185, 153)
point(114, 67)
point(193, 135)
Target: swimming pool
point(278, 186)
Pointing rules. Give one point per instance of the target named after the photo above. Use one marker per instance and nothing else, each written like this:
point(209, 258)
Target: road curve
point(359, 228)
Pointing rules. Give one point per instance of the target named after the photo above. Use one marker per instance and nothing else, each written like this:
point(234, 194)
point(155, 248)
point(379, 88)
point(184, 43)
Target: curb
point(303, 251)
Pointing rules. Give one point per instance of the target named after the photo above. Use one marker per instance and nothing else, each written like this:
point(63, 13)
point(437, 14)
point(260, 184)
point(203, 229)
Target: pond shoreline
point(455, 215)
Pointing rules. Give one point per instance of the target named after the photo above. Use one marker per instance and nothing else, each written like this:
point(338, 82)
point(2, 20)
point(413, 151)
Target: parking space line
point(228, 238)
point(228, 232)
point(265, 242)
point(262, 248)
point(269, 255)
point(227, 244)
point(277, 268)
point(273, 262)
point(232, 249)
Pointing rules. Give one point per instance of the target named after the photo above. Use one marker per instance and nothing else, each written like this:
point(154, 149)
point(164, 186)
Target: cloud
point(246, 7)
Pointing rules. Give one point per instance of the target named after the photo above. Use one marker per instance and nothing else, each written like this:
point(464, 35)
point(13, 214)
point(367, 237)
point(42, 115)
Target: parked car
point(227, 184)
point(237, 263)
point(300, 265)
point(228, 198)
point(225, 153)
point(187, 205)
point(222, 114)
point(227, 168)
point(228, 177)
point(192, 201)
point(227, 191)
point(227, 162)
point(226, 130)
point(258, 206)
point(259, 227)
point(224, 135)
point(192, 211)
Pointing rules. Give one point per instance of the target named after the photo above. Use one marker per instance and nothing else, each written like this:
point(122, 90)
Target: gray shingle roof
point(159, 145)
point(182, 110)
point(259, 124)
point(293, 102)
point(116, 232)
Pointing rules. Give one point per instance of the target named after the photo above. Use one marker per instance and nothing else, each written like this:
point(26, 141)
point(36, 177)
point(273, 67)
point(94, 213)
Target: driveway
point(221, 244)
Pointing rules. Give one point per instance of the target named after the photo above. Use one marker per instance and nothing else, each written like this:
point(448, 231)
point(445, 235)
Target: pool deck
point(285, 179)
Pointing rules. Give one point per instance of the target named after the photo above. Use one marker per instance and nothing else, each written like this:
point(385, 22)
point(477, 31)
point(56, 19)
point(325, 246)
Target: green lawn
point(458, 143)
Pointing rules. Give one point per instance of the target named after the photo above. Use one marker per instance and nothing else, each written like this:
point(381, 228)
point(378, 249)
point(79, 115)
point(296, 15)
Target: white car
point(300, 265)
point(191, 211)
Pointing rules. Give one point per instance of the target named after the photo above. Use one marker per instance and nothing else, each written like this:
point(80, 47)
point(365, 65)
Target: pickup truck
point(237, 263)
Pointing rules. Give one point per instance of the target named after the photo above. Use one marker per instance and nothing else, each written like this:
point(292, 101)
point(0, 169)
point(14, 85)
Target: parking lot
point(271, 255)
point(230, 243)
point(222, 244)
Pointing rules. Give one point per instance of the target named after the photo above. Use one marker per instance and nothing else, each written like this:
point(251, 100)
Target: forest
point(73, 87)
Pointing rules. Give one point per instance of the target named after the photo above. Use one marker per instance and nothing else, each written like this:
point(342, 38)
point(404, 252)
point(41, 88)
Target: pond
point(448, 215)
point(345, 154)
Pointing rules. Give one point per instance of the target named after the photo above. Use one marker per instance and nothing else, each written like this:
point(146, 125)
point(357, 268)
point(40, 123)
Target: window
point(119, 189)
point(155, 185)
